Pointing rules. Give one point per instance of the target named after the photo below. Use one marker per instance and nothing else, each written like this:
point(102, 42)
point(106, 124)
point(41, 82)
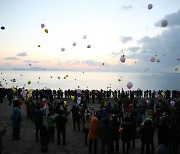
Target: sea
point(89, 80)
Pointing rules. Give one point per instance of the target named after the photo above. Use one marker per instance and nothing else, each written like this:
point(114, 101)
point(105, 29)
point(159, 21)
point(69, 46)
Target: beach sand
point(28, 145)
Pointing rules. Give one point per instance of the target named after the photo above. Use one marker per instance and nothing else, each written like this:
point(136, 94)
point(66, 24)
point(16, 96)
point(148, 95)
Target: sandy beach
point(28, 145)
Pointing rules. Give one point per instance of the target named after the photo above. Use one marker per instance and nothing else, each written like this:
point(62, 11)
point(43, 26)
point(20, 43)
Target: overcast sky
point(113, 28)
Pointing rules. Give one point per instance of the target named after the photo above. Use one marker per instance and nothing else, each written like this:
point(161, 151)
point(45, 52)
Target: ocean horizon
point(39, 79)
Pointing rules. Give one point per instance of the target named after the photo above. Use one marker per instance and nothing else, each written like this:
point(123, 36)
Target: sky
point(113, 28)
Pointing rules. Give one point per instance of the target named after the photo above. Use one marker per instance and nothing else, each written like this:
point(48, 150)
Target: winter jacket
point(60, 122)
point(38, 116)
point(93, 129)
point(16, 118)
point(106, 130)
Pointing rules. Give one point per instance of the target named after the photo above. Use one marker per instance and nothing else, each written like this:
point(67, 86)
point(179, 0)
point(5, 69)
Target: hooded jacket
point(93, 129)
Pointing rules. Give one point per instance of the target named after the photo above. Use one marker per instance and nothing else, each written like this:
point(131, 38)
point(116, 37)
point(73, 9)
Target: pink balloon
point(42, 25)
point(62, 49)
point(122, 59)
point(150, 6)
point(153, 59)
point(129, 85)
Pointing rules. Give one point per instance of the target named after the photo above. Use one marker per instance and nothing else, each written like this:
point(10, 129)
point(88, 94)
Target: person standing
point(16, 122)
point(106, 135)
point(51, 122)
point(38, 119)
point(60, 121)
point(93, 134)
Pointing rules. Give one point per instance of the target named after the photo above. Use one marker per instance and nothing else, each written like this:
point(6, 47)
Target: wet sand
point(28, 145)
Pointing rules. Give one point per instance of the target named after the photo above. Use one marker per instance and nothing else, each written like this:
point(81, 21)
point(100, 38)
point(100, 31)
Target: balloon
point(42, 25)
point(65, 102)
point(39, 46)
point(62, 49)
point(172, 103)
point(72, 97)
point(164, 23)
point(158, 60)
point(129, 85)
point(14, 90)
point(74, 44)
point(58, 77)
point(178, 59)
point(51, 77)
point(2, 27)
point(79, 100)
point(176, 69)
point(78, 90)
point(122, 59)
point(30, 65)
point(119, 80)
point(150, 6)
point(88, 46)
point(46, 30)
point(83, 72)
point(163, 94)
point(102, 63)
point(84, 36)
point(153, 59)
point(155, 55)
point(30, 90)
point(66, 75)
point(39, 77)
point(29, 82)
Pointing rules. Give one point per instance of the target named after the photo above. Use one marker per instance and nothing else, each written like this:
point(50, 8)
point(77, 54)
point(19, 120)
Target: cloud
point(11, 58)
point(127, 7)
point(22, 54)
point(91, 62)
point(134, 49)
point(166, 46)
point(125, 39)
point(173, 20)
point(30, 61)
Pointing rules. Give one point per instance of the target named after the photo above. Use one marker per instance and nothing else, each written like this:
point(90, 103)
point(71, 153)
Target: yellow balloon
point(72, 97)
point(176, 69)
point(65, 103)
point(46, 30)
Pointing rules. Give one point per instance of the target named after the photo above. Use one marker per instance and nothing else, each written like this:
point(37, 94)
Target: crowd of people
point(126, 119)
